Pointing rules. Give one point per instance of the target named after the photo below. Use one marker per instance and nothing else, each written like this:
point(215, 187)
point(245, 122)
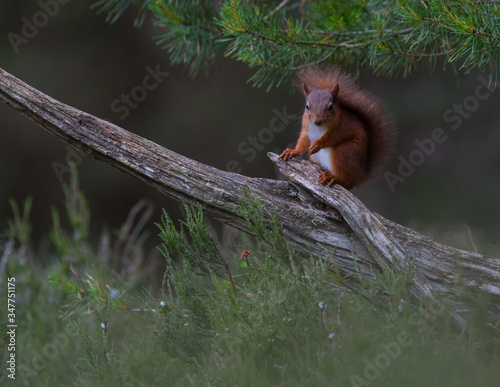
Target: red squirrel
point(344, 128)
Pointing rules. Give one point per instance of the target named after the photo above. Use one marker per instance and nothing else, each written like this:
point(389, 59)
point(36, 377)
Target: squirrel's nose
point(318, 122)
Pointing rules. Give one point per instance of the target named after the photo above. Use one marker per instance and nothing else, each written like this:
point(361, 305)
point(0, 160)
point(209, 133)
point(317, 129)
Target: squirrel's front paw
point(289, 154)
point(314, 148)
point(327, 178)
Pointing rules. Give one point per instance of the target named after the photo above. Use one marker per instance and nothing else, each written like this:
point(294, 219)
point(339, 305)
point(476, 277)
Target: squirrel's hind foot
point(326, 178)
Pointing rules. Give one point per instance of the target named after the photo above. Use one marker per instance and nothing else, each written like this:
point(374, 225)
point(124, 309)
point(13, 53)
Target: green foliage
point(99, 362)
point(271, 233)
point(116, 8)
point(72, 245)
point(20, 226)
point(218, 319)
point(391, 283)
point(192, 37)
point(87, 291)
point(278, 38)
point(86, 284)
point(202, 255)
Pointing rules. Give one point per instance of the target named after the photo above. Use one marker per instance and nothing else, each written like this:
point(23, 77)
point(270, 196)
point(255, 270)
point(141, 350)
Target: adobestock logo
point(418, 323)
point(30, 28)
point(254, 144)
point(455, 116)
point(138, 93)
point(122, 105)
point(39, 361)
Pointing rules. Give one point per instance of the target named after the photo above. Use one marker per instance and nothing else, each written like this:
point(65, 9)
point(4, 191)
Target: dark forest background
point(85, 62)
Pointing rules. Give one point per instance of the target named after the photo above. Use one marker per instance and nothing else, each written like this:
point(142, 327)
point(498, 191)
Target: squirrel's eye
point(307, 106)
point(330, 107)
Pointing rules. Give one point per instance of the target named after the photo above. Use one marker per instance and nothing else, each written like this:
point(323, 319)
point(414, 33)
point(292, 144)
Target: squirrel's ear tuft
point(305, 88)
point(335, 91)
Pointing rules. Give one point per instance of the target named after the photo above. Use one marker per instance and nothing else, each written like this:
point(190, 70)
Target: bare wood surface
point(330, 223)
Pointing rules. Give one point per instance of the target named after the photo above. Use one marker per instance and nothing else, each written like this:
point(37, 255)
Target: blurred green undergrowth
point(208, 311)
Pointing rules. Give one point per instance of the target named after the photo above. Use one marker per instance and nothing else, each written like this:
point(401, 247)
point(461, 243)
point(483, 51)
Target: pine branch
point(116, 8)
point(392, 37)
point(193, 39)
point(278, 7)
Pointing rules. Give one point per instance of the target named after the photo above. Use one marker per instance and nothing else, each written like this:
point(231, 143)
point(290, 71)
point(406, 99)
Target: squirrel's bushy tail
point(368, 108)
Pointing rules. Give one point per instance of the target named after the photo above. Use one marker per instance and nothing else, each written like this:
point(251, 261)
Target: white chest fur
point(323, 157)
point(315, 131)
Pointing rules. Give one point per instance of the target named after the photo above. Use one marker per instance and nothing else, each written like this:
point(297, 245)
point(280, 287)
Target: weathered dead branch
point(329, 222)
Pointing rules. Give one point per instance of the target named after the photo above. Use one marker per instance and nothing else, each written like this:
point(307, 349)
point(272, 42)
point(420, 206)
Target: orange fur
point(356, 135)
